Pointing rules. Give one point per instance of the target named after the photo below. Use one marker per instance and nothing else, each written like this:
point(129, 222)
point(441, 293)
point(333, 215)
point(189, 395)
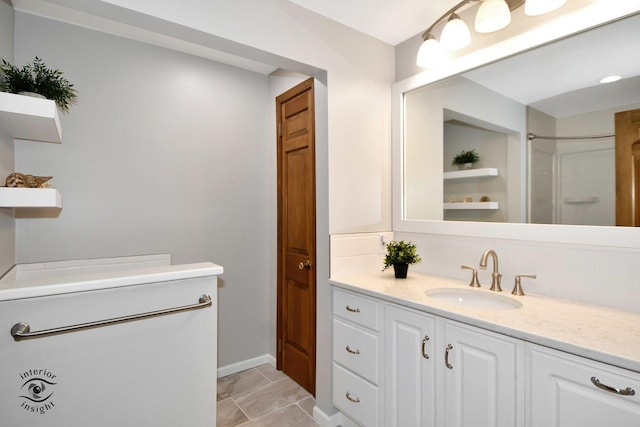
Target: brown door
point(628, 168)
point(296, 235)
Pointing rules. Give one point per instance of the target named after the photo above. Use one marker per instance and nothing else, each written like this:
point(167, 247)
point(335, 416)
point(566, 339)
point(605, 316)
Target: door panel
point(628, 168)
point(296, 235)
point(480, 378)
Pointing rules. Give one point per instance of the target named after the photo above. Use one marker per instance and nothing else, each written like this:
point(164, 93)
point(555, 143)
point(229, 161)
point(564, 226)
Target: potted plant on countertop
point(36, 78)
point(465, 159)
point(400, 255)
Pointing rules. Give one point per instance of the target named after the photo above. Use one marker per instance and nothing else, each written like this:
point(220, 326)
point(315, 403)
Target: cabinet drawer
point(356, 350)
point(563, 393)
point(355, 397)
point(356, 308)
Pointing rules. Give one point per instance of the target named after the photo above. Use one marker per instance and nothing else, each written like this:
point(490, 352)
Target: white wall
point(164, 153)
point(7, 223)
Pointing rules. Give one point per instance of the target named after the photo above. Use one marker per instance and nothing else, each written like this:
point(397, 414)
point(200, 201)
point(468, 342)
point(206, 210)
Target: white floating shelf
point(30, 198)
point(26, 117)
point(472, 206)
point(470, 173)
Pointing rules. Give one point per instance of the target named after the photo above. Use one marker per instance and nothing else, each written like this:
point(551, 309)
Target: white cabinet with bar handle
point(410, 363)
point(566, 391)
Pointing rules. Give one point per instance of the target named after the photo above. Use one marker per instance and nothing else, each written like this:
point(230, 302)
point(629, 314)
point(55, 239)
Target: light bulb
point(430, 52)
point(493, 15)
point(540, 7)
point(455, 34)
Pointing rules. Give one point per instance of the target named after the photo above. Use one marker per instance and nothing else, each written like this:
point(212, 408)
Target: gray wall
point(7, 223)
point(164, 152)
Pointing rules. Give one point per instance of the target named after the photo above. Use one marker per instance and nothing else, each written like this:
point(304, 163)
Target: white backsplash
point(592, 274)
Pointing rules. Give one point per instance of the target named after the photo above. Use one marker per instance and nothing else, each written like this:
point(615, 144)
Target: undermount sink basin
point(473, 298)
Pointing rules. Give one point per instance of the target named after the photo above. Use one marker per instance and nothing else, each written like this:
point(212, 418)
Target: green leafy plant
point(400, 253)
point(37, 78)
point(463, 157)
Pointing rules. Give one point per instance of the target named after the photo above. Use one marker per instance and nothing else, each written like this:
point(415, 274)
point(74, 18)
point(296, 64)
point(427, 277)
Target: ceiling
point(392, 21)
point(572, 66)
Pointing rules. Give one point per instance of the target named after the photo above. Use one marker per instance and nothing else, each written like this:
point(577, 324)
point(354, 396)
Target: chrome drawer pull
point(626, 392)
point(22, 331)
point(424, 346)
point(351, 351)
point(446, 356)
point(353, 310)
point(356, 400)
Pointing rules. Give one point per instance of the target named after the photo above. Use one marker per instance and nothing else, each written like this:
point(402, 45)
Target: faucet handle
point(474, 283)
point(517, 289)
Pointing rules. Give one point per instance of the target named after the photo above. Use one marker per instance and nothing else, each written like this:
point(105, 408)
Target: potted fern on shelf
point(37, 78)
point(400, 255)
point(465, 159)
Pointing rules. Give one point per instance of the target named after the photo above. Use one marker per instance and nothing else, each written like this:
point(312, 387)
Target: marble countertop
point(12, 288)
point(596, 332)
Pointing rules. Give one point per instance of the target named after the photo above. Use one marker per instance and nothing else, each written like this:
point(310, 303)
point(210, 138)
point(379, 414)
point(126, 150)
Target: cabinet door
point(563, 394)
point(480, 378)
point(409, 368)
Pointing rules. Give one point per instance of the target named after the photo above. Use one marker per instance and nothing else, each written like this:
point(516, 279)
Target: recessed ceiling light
point(610, 79)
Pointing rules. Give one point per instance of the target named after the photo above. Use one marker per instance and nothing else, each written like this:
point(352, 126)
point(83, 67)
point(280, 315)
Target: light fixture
point(430, 52)
point(540, 7)
point(492, 15)
point(610, 79)
point(455, 35)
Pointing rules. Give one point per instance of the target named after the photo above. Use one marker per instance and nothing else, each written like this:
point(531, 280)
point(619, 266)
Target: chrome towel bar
point(22, 331)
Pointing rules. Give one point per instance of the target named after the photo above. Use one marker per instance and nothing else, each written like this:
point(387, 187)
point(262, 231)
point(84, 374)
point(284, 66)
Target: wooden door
point(410, 380)
point(296, 235)
point(628, 168)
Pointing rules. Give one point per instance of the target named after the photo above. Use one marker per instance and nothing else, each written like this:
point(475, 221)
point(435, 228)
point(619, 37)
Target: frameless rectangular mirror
point(542, 125)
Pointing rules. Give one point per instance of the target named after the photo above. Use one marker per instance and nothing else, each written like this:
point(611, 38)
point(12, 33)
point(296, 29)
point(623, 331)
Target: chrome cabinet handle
point(303, 265)
point(351, 351)
point(626, 392)
point(446, 356)
point(424, 346)
point(22, 331)
point(353, 310)
point(356, 400)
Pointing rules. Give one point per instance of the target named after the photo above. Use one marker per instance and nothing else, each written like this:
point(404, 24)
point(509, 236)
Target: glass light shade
point(430, 53)
point(455, 35)
point(540, 7)
point(493, 15)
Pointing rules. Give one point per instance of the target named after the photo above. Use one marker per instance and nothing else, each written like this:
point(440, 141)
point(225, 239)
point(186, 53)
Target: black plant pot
point(400, 270)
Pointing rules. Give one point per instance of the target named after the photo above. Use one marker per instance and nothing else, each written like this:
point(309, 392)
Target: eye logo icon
point(37, 390)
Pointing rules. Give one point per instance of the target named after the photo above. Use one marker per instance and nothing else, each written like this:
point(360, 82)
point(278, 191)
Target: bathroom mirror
point(418, 186)
point(550, 91)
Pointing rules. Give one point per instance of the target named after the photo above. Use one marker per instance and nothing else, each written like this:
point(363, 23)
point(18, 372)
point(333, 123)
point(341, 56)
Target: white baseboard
point(336, 420)
point(223, 371)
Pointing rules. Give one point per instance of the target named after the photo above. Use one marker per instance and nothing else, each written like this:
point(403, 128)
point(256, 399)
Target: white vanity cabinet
point(482, 383)
point(357, 357)
point(564, 390)
point(399, 367)
point(409, 368)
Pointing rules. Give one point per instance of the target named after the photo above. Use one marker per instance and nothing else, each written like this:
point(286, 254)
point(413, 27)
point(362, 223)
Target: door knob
point(303, 265)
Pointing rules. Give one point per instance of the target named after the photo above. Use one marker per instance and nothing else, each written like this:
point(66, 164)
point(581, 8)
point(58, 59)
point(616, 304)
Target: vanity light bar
point(492, 15)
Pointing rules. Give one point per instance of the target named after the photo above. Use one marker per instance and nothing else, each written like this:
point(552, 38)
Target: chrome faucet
point(496, 276)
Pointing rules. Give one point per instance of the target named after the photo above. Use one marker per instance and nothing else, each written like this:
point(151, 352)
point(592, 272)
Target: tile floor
point(263, 397)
